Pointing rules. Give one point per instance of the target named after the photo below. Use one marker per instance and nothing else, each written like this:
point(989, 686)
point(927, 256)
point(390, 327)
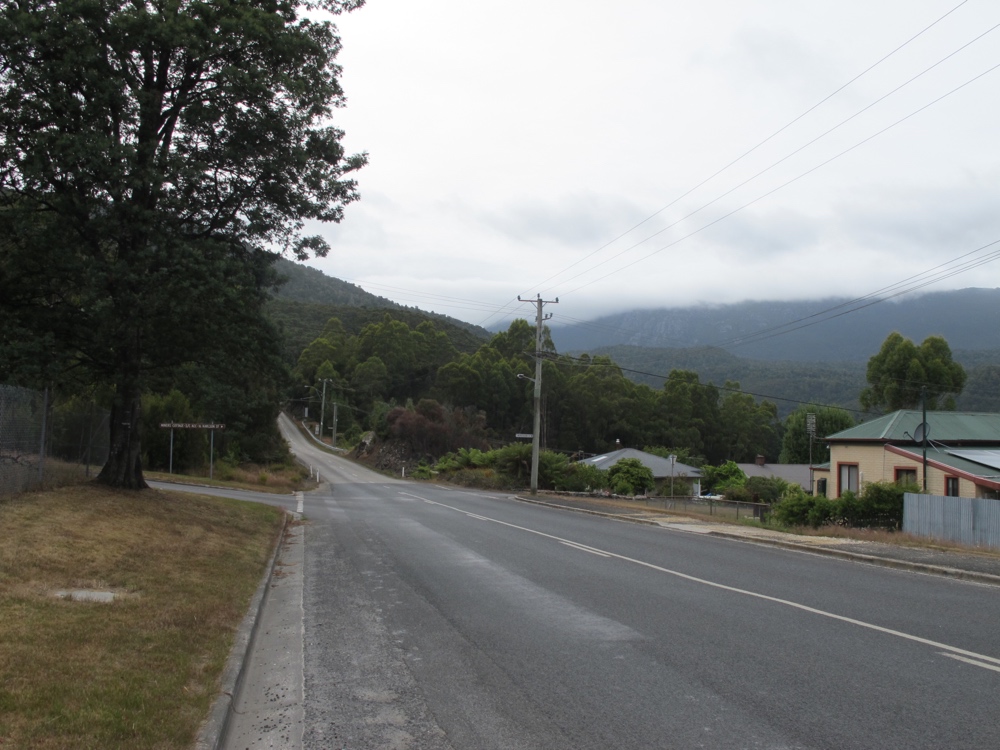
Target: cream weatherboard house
point(962, 454)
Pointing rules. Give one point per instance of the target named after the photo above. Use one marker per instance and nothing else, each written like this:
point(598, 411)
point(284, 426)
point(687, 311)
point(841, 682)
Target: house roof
point(944, 427)
point(659, 466)
point(982, 466)
point(795, 473)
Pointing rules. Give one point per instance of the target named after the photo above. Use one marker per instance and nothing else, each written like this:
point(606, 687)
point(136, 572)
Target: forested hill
point(969, 319)
point(788, 384)
point(305, 284)
point(309, 298)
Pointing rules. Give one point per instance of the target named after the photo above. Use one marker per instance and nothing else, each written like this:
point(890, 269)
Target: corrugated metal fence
point(46, 442)
point(971, 521)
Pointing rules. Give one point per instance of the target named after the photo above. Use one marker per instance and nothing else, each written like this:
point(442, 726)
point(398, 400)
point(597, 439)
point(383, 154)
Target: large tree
point(902, 373)
point(155, 158)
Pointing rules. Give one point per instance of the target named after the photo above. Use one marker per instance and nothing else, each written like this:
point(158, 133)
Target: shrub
point(720, 478)
point(766, 489)
point(681, 487)
point(551, 468)
point(880, 505)
point(793, 508)
point(629, 477)
point(821, 511)
point(738, 494)
point(579, 477)
point(423, 471)
point(513, 459)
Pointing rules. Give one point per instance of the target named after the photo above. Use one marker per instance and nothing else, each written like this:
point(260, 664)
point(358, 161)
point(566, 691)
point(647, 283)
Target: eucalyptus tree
point(155, 158)
point(902, 373)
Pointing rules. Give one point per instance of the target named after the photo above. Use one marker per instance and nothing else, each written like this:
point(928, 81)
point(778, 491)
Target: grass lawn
point(142, 671)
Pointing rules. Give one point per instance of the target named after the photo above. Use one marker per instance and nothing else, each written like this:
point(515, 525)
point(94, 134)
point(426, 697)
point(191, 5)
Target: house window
point(821, 487)
point(951, 486)
point(848, 478)
point(906, 476)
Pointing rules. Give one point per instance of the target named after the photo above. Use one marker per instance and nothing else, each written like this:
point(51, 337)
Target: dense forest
point(588, 403)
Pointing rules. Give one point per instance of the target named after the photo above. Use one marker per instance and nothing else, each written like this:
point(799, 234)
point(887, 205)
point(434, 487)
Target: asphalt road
point(438, 618)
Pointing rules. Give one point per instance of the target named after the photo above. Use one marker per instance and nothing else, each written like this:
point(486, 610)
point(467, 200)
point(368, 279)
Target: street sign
point(213, 426)
point(524, 435)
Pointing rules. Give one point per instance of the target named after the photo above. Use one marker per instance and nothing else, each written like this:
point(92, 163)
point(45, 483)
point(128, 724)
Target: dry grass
point(899, 538)
point(276, 479)
point(142, 671)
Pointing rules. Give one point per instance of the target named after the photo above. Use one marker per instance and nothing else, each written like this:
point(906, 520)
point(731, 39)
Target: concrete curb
point(212, 734)
point(885, 562)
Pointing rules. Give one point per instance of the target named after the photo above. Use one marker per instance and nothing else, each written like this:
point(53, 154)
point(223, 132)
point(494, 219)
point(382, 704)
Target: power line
point(869, 300)
point(783, 185)
point(756, 147)
point(786, 157)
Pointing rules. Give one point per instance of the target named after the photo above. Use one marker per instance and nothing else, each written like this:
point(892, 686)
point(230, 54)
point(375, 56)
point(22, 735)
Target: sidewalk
point(971, 565)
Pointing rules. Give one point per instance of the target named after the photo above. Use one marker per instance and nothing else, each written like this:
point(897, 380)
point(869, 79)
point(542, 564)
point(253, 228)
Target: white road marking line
point(973, 662)
point(981, 659)
point(591, 550)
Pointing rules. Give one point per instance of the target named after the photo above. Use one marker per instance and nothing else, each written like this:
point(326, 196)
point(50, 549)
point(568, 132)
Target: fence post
point(41, 450)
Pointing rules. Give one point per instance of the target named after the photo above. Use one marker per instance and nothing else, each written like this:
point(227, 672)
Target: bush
point(880, 505)
point(793, 508)
point(629, 477)
point(738, 494)
point(513, 460)
point(766, 489)
point(681, 487)
point(821, 511)
point(552, 467)
point(720, 478)
point(423, 471)
point(579, 477)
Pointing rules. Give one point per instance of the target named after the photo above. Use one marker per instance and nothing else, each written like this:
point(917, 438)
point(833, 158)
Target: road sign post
point(213, 426)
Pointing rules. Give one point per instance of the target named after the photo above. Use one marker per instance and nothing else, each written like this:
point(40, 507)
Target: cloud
point(580, 221)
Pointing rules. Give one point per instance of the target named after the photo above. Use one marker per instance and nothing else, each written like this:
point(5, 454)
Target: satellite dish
point(921, 433)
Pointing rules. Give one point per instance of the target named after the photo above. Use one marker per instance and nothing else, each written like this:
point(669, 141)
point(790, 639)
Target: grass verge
point(278, 479)
point(142, 671)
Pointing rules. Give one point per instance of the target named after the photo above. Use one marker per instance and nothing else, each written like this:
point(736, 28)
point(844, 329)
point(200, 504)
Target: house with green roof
point(960, 457)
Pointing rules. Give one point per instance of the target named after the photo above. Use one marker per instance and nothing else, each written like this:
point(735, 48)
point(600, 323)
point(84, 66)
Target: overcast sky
point(514, 145)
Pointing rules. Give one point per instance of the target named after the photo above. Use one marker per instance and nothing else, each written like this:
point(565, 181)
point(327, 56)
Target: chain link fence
point(45, 442)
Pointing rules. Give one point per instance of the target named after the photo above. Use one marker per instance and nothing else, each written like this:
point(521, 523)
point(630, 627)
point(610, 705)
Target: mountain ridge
point(810, 331)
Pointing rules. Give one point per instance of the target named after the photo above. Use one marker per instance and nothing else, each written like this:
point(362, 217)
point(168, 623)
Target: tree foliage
point(630, 477)
point(722, 477)
point(902, 371)
point(154, 158)
point(588, 404)
point(795, 448)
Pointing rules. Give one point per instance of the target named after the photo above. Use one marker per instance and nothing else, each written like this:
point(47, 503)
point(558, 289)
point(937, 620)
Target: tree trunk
point(124, 465)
